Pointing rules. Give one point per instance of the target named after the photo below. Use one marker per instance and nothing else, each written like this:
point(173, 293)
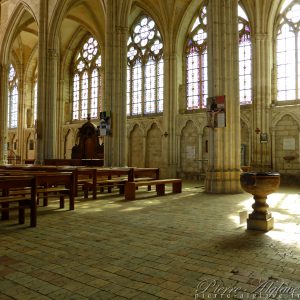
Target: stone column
point(41, 82)
point(200, 153)
point(144, 149)
point(223, 174)
point(50, 127)
point(170, 112)
point(115, 147)
point(262, 64)
point(46, 126)
point(3, 113)
point(273, 147)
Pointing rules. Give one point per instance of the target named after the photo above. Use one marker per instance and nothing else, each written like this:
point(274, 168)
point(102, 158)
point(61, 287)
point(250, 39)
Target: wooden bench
point(23, 201)
point(130, 187)
point(87, 178)
point(49, 184)
point(112, 177)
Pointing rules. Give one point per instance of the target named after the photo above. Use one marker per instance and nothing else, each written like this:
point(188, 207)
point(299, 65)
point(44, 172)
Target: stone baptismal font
point(260, 185)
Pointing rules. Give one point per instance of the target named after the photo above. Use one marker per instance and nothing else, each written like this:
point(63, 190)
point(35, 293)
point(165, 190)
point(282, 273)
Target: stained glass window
point(196, 62)
point(87, 81)
point(288, 53)
point(245, 70)
point(13, 98)
point(145, 68)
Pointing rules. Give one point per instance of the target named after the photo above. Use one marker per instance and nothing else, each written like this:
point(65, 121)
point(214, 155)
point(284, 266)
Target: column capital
point(259, 36)
point(122, 29)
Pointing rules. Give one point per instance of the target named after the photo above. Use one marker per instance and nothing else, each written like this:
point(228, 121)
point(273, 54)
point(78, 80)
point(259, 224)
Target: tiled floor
point(180, 246)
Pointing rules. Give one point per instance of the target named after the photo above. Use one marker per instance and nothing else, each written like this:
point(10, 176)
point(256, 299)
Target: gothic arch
point(273, 15)
point(60, 12)
point(11, 29)
point(281, 115)
point(153, 11)
point(149, 126)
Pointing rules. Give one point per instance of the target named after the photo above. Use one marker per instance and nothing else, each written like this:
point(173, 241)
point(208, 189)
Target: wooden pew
point(49, 184)
point(61, 183)
point(144, 174)
point(87, 178)
point(23, 201)
point(113, 177)
point(130, 187)
point(31, 169)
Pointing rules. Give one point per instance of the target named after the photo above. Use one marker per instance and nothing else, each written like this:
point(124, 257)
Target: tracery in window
point(13, 98)
point(245, 70)
point(196, 62)
point(145, 70)
point(288, 53)
point(87, 81)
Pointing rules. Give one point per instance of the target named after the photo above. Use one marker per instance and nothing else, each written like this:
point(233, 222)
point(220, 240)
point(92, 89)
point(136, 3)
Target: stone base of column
point(226, 182)
point(261, 225)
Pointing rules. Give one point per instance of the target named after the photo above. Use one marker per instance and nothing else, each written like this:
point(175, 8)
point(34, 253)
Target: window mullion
point(156, 86)
point(143, 87)
point(296, 65)
point(89, 91)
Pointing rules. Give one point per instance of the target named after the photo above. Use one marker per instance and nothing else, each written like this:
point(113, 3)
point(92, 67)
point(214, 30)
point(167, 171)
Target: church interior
point(166, 135)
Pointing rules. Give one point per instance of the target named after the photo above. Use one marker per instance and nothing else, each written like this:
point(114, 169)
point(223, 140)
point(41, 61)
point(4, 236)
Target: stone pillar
point(262, 65)
point(170, 111)
point(223, 174)
point(115, 147)
point(46, 126)
point(50, 129)
point(3, 113)
point(144, 149)
point(41, 82)
point(200, 153)
point(273, 147)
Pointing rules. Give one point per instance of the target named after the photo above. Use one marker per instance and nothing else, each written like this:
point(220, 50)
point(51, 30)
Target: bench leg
point(33, 214)
point(45, 199)
point(94, 192)
point(177, 187)
point(121, 189)
point(21, 213)
point(129, 191)
point(160, 189)
point(61, 201)
point(72, 201)
point(85, 191)
point(5, 213)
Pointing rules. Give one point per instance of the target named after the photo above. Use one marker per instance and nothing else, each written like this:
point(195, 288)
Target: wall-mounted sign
point(289, 143)
point(263, 137)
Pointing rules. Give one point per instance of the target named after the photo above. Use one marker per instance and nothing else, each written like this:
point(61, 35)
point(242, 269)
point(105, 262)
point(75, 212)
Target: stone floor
point(180, 246)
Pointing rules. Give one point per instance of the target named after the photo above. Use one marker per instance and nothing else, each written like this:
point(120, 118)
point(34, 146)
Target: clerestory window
point(245, 58)
point(287, 52)
point(13, 98)
point(145, 68)
point(87, 81)
point(196, 62)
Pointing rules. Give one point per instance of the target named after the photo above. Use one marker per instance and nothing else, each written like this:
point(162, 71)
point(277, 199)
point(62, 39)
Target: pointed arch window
point(145, 68)
point(13, 98)
point(196, 62)
point(87, 81)
point(245, 58)
point(288, 52)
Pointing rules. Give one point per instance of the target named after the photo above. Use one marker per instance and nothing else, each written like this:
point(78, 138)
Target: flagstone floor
point(179, 246)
